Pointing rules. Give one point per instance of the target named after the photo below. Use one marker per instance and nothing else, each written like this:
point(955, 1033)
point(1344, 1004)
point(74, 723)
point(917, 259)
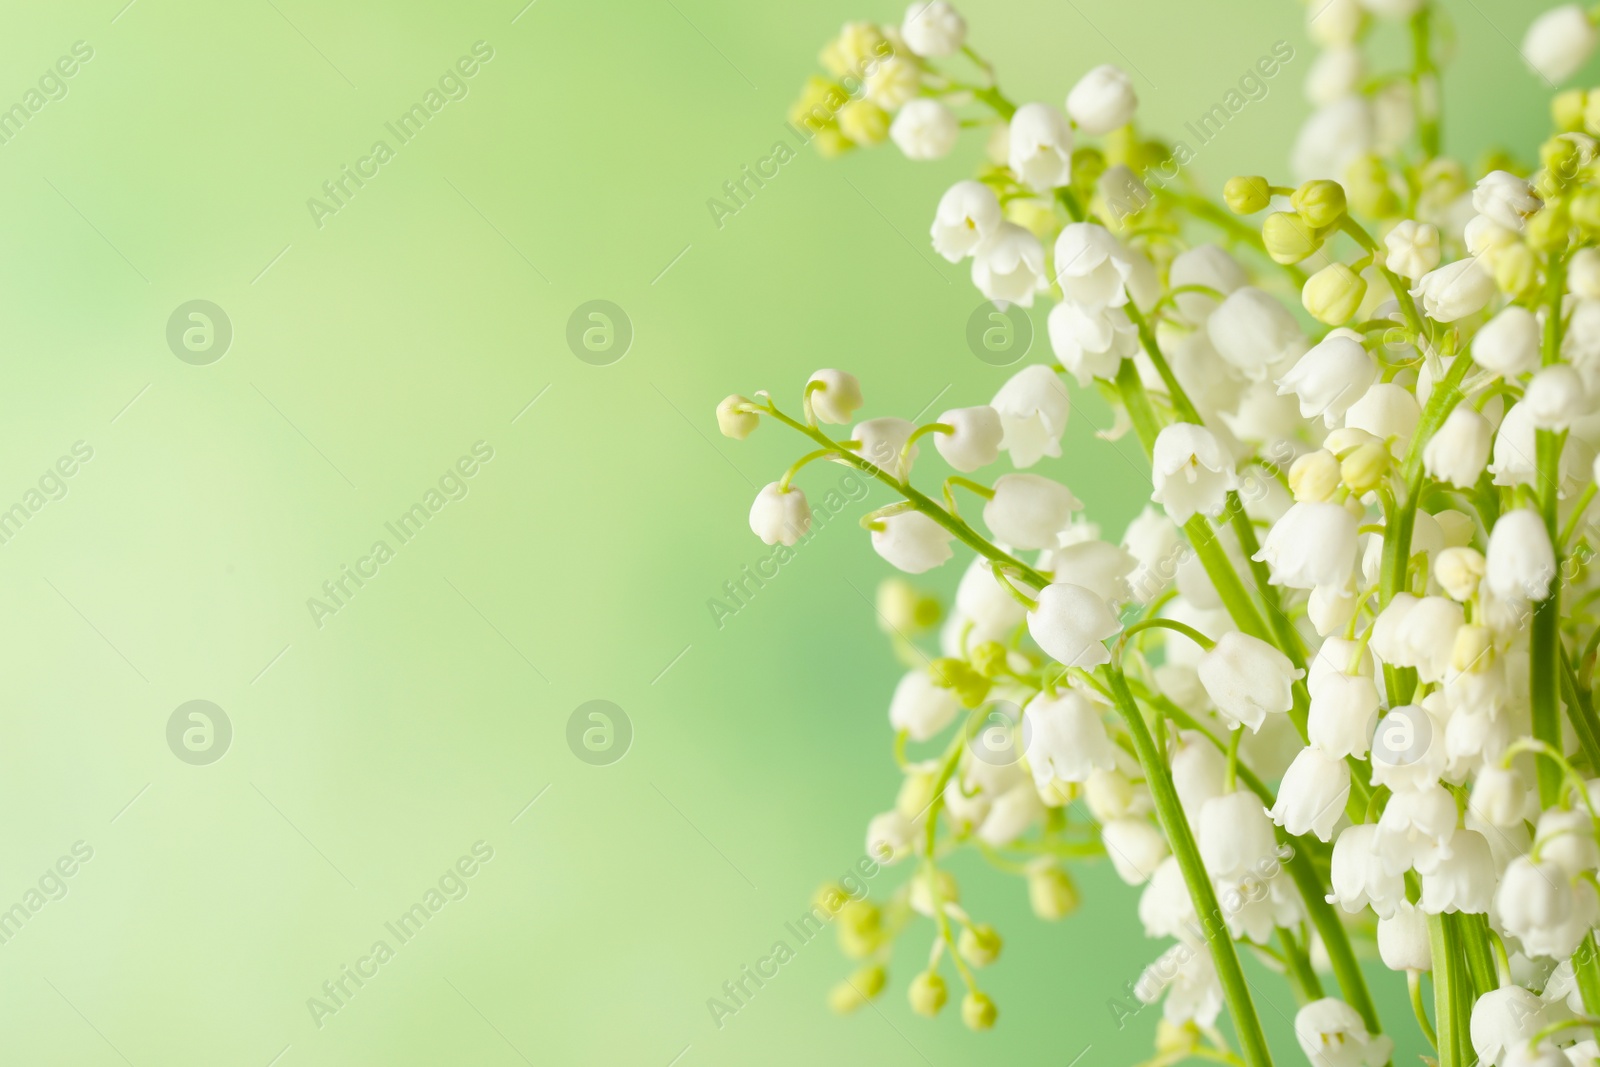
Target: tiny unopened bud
point(1314, 477)
point(989, 658)
point(1109, 795)
point(1288, 237)
point(1566, 109)
point(1562, 158)
point(1321, 203)
point(1051, 893)
point(1088, 163)
point(733, 422)
point(1368, 189)
point(1471, 649)
point(1247, 194)
point(1548, 230)
point(916, 790)
point(1176, 1037)
point(1516, 269)
point(957, 675)
point(1333, 295)
point(1364, 468)
point(978, 1011)
point(1458, 571)
point(979, 944)
point(922, 891)
point(860, 928)
point(1584, 210)
point(1343, 441)
point(928, 993)
point(903, 609)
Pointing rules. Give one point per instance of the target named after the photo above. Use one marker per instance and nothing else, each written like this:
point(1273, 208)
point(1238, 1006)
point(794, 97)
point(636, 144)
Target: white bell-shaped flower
point(924, 129)
point(1559, 42)
point(1091, 342)
point(1331, 377)
point(1135, 848)
point(1253, 332)
point(920, 707)
point(1403, 942)
point(1427, 636)
point(1029, 510)
point(1505, 198)
point(974, 440)
point(1208, 265)
point(1235, 837)
point(1459, 450)
point(1508, 344)
point(1408, 748)
point(1503, 1019)
point(890, 837)
point(982, 598)
point(1041, 147)
point(1192, 472)
point(968, 213)
point(780, 516)
point(1098, 566)
point(1555, 398)
point(1335, 656)
point(1103, 100)
point(1499, 796)
point(836, 397)
point(1520, 563)
point(1313, 794)
point(1010, 815)
point(1462, 881)
point(1152, 540)
point(1386, 410)
point(933, 28)
point(1412, 248)
point(1344, 711)
point(1071, 623)
point(1455, 290)
point(1566, 837)
point(1248, 680)
point(1415, 828)
point(1092, 266)
point(1009, 265)
point(1313, 545)
point(1068, 741)
point(1033, 407)
point(912, 541)
point(1164, 907)
point(1198, 770)
point(881, 442)
point(1358, 876)
point(1331, 1034)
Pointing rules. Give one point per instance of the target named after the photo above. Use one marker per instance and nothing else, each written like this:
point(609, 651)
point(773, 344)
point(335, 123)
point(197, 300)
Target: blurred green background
point(368, 355)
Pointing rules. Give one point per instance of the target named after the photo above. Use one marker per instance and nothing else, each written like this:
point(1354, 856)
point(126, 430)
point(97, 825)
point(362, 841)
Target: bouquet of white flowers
point(1336, 680)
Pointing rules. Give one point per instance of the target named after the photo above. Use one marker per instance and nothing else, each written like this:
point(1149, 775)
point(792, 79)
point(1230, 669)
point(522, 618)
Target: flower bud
point(1173, 1037)
point(1548, 230)
point(923, 888)
point(733, 422)
point(1471, 649)
point(1369, 190)
point(979, 944)
point(1314, 476)
point(1109, 795)
point(1516, 270)
point(1051, 893)
point(1333, 294)
point(1562, 158)
point(1246, 195)
point(1364, 468)
point(1343, 441)
point(978, 1011)
point(864, 122)
point(1584, 210)
point(957, 675)
point(1458, 571)
point(916, 790)
point(989, 658)
point(855, 991)
point(1567, 109)
point(903, 610)
point(927, 994)
point(1321, 203)
point(1288, 237)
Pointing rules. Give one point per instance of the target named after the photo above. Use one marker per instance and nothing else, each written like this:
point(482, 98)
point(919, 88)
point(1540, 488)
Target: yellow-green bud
point(1566, 109)
point(1471, 649)
point(979, 944)
point(1591, 114)
point(870, 980)
point(1051, 894)
point(1548, 229)
point(1088, 163)
point(733, 422)
point(1499, 159)
point(1321, 203)
point(916, 790)
point(922, 893)
point(905, 610)
point(864, 122)
point(1516, 269)
point(928, 993)
point(1314, 477)
point(1346, 439)
point(1288, 238)
point(957, 675)
point(978, 1011)
point(830, 897)
point(1367, 186)
point(1038, 217)
point(1562, 159)
point(1584, 209)
point(989, 658)
point(1333, 295)
point(1172, 1037)
point(860, 926)
point(1247, 194)
point(1363, 469)
point(831, 143)
point(844, 998)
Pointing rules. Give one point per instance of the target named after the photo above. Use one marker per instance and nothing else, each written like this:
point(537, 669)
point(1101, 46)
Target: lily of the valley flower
point(1192, 472)
point(1331, 1034)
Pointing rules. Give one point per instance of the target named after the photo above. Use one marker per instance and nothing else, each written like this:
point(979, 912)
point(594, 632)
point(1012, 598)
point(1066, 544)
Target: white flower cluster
point(1335, 680)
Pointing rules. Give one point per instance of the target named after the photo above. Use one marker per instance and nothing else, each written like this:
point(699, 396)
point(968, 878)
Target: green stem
point(1544, 667)
point(1308, 986)
point(1341, 955)
point(1480, 958)
point(1414, 983)
point(1586, 966)
point(1422, 72)
point(1236, 990)
point(1442, 942)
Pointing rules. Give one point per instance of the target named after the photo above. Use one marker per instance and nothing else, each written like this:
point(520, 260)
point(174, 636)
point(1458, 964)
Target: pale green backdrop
point(370, 353)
